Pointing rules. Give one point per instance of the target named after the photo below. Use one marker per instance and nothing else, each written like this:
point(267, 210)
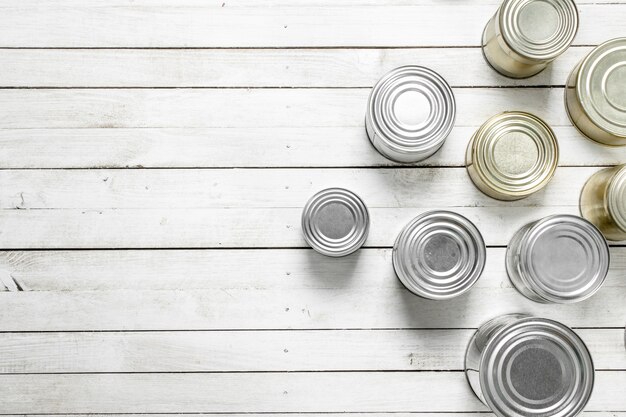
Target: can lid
point(411, 109)
point(601, 86)
point(335, 222)
point(539, 29)
point(616, 197)
point(536, 367)
point(439, 255)
point(565, 258)
point(515, 153)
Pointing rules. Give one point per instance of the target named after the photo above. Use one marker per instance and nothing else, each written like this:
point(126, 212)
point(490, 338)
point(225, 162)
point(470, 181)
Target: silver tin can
point(558, 259)
point(439, 255)
point(603, 201)
point(524, 36)
point(335, 222)
point(522, 366)
point(595, 95)
point(410, 112)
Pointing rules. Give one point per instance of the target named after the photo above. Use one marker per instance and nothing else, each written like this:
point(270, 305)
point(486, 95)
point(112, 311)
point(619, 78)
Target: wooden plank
point(230, 147)
point(105, 108)
point(330, 350)
point(171, 24)
point(255, 67)
point(395, 414)
point(96, 270)
point(265, 392)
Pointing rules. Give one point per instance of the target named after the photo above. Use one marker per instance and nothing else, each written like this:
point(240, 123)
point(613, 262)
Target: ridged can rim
point(439, 255)
point(539, 149)
point(616, 197)
point(498, 371)
point(575, 272)
point(312, 228)
point(601, 86)
point(388, 111)
point(560, 16)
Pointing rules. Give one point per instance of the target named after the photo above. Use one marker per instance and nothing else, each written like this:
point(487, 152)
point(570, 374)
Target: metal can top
point(601, 86)
point(515, 153)
point(412, 110)
point(616, 197)
point(536, 367)
point(538, 29)
point(565, 258)
point(335, 222)
point(439, 255)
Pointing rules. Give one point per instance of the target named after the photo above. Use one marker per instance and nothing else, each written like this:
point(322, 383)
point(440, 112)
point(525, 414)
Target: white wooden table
point(155, 158)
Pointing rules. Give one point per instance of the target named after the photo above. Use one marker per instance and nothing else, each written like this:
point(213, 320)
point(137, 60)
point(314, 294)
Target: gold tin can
point(603, 201)
point(512, 155)
point(595, 95)
point(524, 36)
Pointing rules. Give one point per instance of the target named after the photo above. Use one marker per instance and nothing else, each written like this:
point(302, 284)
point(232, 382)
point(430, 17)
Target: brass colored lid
point(616, 198)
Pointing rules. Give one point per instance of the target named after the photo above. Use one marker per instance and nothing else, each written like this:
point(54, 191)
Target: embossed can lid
point(616, 197)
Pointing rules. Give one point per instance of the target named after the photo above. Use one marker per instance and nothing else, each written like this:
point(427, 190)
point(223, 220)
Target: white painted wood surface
point(186, 287)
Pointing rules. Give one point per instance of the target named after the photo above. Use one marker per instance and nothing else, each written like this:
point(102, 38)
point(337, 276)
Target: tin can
point(439, 255)
point(558, 259)
point(335, 222)
point(524, 36)
point(410, 112)
point(521, 366)
point(595, 94)
point(512, 155)
point(603, 201)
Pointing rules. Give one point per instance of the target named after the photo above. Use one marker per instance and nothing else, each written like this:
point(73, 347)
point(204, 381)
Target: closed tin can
point(603, 201)
point(410, 112)
point(595, 94)
point(522, 366)
point(512, 155)
point(558, 259)
point(439, 255)
point(524, 36)
point(335, 222)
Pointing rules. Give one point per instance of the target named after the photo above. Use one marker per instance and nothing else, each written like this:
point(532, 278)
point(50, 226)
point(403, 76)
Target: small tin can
point(439, 255)
point(595, 94)
point(603, 201)
point(522, 366)
point(410, 112)
point(335, 222)
point(558, 259)
point(512, 155)
point(524, 36)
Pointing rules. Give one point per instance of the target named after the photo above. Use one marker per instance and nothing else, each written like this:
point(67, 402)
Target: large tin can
point(595, 95)
point(522, 366)
point(410, 112)
point(524, 36)
point(512, 155)
point(335, 222)
point(439, 255)
point(603, 201)
point(558, 259)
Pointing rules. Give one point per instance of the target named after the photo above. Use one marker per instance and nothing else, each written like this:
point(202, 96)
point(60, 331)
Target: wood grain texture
point(196, 24)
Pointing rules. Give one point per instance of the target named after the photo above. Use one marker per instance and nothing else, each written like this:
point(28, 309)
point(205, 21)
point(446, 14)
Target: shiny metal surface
point(335, 222)
point(512, 155)
point(439, 255)
point(603, 201)
point(410, 112)
point(525, 366)
point(595, 95)
point(558, 259)
point(524, 36)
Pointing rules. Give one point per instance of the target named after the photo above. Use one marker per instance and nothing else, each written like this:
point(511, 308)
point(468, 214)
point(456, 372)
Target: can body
point(603, 201)
point(520, 365)
point(595, 94)
point(410, 112)
point(524, 36)
point(558, 259)
point(335, 222)
point(512, 155)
